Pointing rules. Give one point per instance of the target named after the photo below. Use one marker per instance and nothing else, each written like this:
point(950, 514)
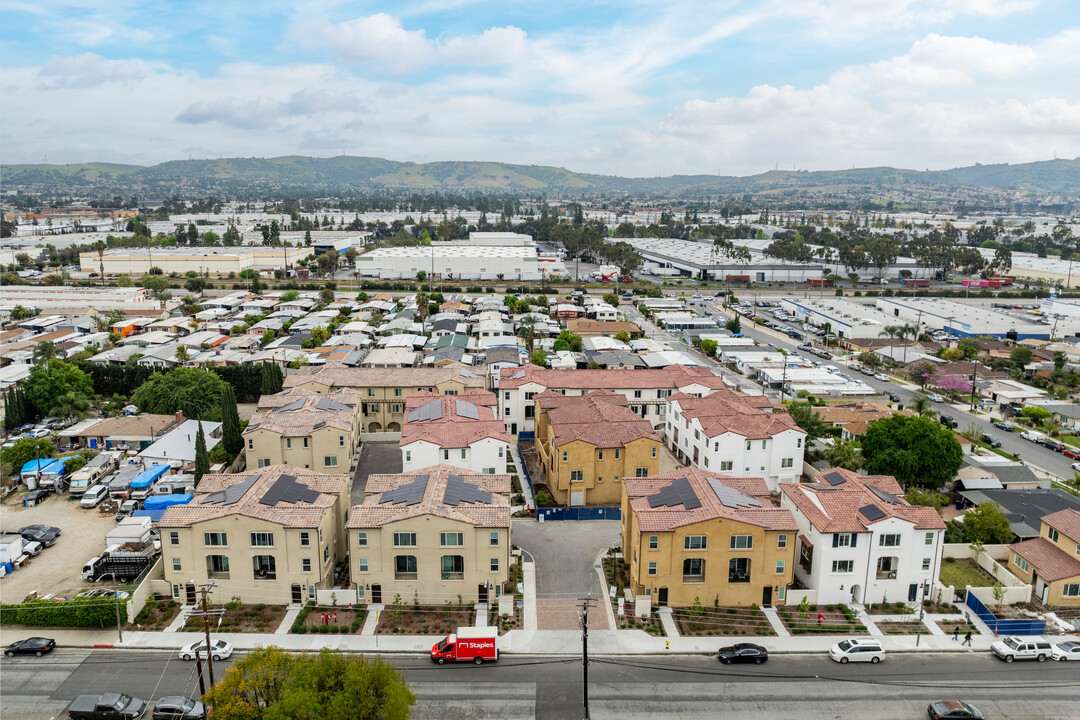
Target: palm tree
point(922, 405)
point(71, 404)
point(845, 454)
point(181, 354)
point(43, 352)
point(100, 247)
point(527, 331)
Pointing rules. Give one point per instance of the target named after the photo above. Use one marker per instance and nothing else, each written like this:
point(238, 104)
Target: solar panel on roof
point(458, 491)
point(288, 489)
point(467, 409)
point(408, 494)
point(328, 404)
point(289, 407)
point(679, 492)
point(887, 497)
point(730, 497)
point(518, 375)
point(872, 512)
point(834, 478)
point(232, 494)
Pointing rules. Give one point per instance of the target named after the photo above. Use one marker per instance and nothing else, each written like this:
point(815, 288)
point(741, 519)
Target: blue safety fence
point(580, 513)
point(1004, 627)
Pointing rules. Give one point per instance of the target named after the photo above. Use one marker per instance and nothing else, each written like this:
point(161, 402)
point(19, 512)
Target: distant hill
point(305, 174)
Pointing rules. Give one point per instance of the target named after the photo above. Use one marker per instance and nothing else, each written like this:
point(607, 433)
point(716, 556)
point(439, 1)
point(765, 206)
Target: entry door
point(661, 597)
point(376, 593)
point(482, 593)
point(297, 595)
point(513, 428)
point(190, 589)
point(766, 596)
point(912, 592)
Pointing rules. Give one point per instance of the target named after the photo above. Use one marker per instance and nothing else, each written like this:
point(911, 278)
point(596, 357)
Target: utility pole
point(585, 605)
point(205, 614)
point(116, 604)
point(922, 614)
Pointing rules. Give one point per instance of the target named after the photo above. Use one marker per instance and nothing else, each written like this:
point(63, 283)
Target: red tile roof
point(838, 508)
point(724, 411)
point(338, 375)
point(1051, 562)
point(1066, 521)
point(602, 418)
point(374, 514)
point(668, 518)
point(452, 430)
point(672, 376)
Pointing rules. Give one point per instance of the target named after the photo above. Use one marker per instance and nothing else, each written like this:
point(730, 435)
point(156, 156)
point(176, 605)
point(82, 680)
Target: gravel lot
point(56, 570)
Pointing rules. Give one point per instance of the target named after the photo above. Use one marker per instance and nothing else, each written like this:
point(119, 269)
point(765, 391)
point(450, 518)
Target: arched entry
point(374, 427)
point(393, 427)
point(856, 593)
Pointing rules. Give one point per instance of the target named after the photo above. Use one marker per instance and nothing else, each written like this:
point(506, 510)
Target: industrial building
point(845, 318)
point(212, 261)
point(57, 297)
point(456, 261)
point(972, 320)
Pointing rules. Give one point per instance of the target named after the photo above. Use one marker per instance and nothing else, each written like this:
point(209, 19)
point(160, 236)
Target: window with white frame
point(341, 441)
point(362, 565)
point(176, 564)
point(305, 565)
point(361, 539)
point(780, 565)
point(926, 564)
point(787, 462)
point(576, 476)
point(842, 540)
point(843, 566)
point(781, 541)
point(654, 542)
point(404, 539)
point(726, 465)
point(929, 539)
point(641, 472)
point(262, 462)
point(1052, 534)
point(652, 568)
point(889, 540)
point(742, 542)
point(494, 565)
point(451, 539)
point(262, 539)
point(330, 460)
point(1021, 563)
point(493, 538)
point(1071, 590)
point(215, 539)
point(174, 537)
point(695, 542)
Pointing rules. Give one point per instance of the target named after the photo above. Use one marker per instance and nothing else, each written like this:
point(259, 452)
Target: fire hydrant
point(667, 644)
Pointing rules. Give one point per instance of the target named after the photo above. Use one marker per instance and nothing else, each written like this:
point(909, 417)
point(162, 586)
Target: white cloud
point(838, 18)
point(90, 70)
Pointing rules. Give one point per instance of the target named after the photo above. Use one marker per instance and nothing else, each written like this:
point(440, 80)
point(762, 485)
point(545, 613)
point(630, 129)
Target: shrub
point(78, 612)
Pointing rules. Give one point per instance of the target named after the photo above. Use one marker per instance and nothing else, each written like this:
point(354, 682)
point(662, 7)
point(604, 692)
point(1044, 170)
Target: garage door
point(577, 499)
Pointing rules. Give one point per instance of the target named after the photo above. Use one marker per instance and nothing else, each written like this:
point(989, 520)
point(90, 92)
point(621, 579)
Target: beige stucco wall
point(641, 453)
point(271, 448)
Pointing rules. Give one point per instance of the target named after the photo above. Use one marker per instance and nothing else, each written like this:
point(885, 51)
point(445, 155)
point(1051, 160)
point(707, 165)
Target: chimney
point(179, 416)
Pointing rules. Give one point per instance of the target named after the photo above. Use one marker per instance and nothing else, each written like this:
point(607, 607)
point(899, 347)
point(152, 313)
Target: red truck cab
point(475, 644)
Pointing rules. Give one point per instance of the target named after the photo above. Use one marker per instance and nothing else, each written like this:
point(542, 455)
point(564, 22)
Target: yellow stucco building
point(1051, 562)
point(302, 428)
point(691, 534)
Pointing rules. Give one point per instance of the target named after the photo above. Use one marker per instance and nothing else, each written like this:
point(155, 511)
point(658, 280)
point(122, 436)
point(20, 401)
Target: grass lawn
point(962, 573)
point(1073, 440)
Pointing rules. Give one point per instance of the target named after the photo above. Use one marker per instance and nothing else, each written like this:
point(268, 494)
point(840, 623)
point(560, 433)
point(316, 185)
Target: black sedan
point(177, 708)
point(1002, 425)
point(742, 653)
point(952, 709)
point(31, 646)
point(991, 441)
point(44, 534)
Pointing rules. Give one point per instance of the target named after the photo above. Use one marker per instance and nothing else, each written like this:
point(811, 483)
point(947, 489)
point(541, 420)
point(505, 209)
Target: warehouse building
point(57, 297)
point(455, 261)
point(844, 317)
point(972, 320)
point(212, 261)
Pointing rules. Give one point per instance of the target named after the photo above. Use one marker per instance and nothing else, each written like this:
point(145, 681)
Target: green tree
point(708, 347)
point(734, 325)
point(926, 498)
point(272, 379)
point(326, 296)
point(230, 422)
point(26, 449)
point(808, 420)
point(611, 299)
point(290, 295)
point(202, 459)
point(538, 357)
point(194, 392)
point(969, 348)
point(1021, 356)
point(915, 450)
point(46, 383)
point(272, 684)
point(181, 355)
point(870, 360)
point(845, 454)
point(71, 405)
point(1035, 414)
point(986, 522)
point(43, 352)
point(18, 410)
point(921, 405)
point(622, 336)
point(573, 342)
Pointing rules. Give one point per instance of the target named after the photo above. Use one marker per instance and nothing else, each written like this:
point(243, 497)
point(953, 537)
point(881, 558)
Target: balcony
point(453, 576)
point(688, 579)
point(738, 577)
point(404, 576)
point(264, 567)
point(886, 574)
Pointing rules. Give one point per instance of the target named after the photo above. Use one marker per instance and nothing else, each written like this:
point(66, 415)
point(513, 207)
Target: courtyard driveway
point(376, 458)
point(563, 552)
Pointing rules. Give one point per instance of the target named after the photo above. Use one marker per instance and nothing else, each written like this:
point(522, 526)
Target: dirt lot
point(56, 570)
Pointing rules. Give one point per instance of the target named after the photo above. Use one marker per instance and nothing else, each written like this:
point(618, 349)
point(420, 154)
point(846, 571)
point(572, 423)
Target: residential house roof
point(1067, 522)
point(686, 496)
point(674, 377)
point(847, 502)
point(726, 411)
point(1025, 508)
point(452, 421)
point(443, 491)
point(1051, 562)
point(303, 416)
point(345, 396)
point(334, 375)
point(602, 418)
point(585, 328)
point(133, 426)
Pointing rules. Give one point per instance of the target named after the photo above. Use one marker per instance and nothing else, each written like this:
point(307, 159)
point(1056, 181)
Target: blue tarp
point(147, 477)
point(42, 465)
point(154, 515)
point(160, 502)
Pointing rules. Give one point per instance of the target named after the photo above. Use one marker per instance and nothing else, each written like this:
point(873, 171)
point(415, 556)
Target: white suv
point(857, 650)
point(1017, 648)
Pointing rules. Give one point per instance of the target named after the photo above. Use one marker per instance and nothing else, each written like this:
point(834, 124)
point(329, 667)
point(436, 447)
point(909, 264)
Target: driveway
point(376, 458)
point(563, 552)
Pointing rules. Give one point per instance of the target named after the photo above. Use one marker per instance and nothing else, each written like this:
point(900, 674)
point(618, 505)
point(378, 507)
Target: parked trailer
point(468, 644)
point(119, 563)
point(143, 483)
point(88, 475)
point(120, 485)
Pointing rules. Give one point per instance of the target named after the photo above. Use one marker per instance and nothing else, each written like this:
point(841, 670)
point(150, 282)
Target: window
point(305, 565)
point(654, 452)
point(637, 394)
point(697, 434)
point(397, 392)
point(500, 451)
point(576, 476)
point(217, 565)
point(739, 570)
point(361, 539)
point(654, 542)
point(798, 443)
point(326, 553)
point(305, 442)
point(1021, 563)
point(887, 567)
point(616, 453)
point(361, 565)
point(695, 542)
point(494, 565)
point(371, 392)
point(763, 444)
point(599, 454)
point(215, 539)
point(259, 539)
point(616, 478)
point(405, 567)
point(453, 567)
point(506, 412)
point(564, 456)
point(262, 462)
point(288, 443)
point(330, 460)
point(889, 540)
point(251, 444)
point(341, 441)
point(725, 466)
point(174, 538)
point(451, 539)
point(408, 456)
point(748, 444)
point(600, 478)
point(843, 566)
point(396, 408)
point(1071, 590)
point(742, 542)
point(488, 470)
point(528, 396)
point(264, 567)
point(781, 593)
point(693, 570)
point(929, 539)
point(404, 539)
point(787, 462)
point(652, 568)
point(926, 564)
point(641, 472)
point(305, 539)
point(781, 541)
point(1052, 534)
point(176, 564)
point(445, 454)
point(493, 538)
point(780, 567)
point(843, 540)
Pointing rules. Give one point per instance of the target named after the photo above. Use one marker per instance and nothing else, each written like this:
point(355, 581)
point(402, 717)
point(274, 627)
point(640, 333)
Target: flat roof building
point(213, 261)
point(970, 319)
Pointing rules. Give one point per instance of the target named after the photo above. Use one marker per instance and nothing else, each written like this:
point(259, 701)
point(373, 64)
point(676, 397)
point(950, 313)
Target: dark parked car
point(109, 706)
point(948, 421)
point(36, 496)
point(1002, 425)
point(742, 653)
point(952, 709)
point(894, 396)
point(991, 441)
point(176, 707)
point(41, 533)
point(1051, 444)
point(31, 646)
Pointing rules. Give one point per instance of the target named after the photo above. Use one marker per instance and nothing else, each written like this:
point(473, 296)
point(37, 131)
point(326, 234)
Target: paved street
point(802, 686)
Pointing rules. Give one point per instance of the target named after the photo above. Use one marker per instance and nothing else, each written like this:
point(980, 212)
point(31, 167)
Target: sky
point(634, 87)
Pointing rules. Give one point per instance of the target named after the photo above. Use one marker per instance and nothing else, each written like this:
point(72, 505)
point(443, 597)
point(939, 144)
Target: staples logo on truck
point(475, 644)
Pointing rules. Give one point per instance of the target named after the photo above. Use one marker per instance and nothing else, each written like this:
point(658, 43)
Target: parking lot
point(55, 570)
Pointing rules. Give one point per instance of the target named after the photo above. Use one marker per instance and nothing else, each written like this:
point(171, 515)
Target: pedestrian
point(967, 639)
point(956, 633)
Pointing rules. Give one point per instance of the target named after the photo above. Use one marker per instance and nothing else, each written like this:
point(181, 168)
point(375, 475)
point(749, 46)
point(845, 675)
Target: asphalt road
point(550, 688)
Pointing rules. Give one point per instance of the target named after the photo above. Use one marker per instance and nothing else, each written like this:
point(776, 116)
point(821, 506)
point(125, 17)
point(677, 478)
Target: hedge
point(88, 612)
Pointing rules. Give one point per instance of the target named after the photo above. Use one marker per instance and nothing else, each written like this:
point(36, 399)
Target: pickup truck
point(109, 706)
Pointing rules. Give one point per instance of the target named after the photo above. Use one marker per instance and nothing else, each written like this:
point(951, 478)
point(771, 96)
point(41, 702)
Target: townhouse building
point(302, 428)
point(588, 444)
point(463, 430)
point(645, 390)
point(268, 535)
point(383, 390)
point(434, 535)
point(1050, 563)
point(689, 534)
point(731, 432)
point(860, 541)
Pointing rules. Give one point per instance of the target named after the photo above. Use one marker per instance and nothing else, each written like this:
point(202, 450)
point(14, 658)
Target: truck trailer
point(468, 644)
point(120, 563)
